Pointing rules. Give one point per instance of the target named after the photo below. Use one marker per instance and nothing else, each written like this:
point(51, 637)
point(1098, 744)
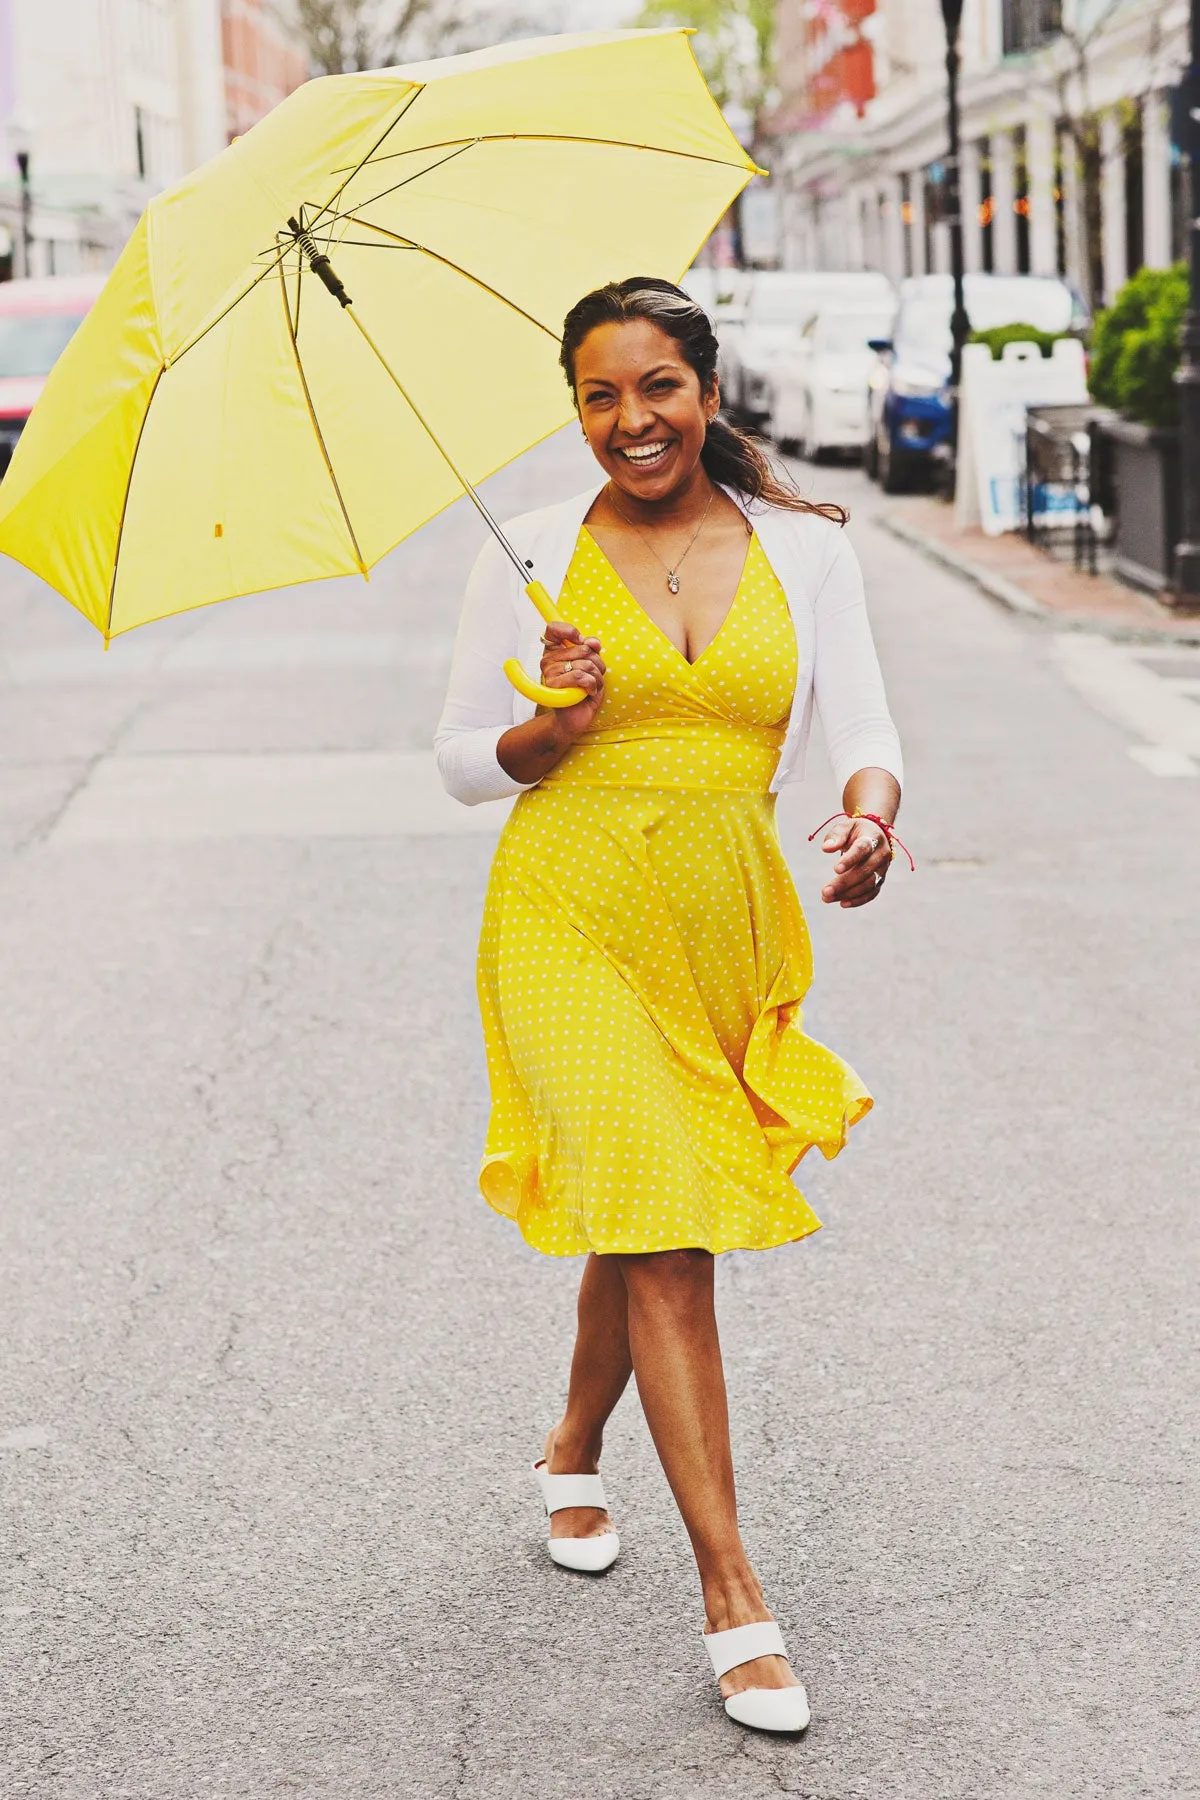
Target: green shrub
point(1135, 349)
point(999, 335)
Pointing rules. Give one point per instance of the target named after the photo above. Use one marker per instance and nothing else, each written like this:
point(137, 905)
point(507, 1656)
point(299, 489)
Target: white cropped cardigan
point(837, 668)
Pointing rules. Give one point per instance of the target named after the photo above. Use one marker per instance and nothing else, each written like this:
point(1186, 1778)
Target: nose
point(634, 416)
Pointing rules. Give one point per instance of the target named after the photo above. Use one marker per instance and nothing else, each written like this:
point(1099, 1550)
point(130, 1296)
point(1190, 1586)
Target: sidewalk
point(1032, 582)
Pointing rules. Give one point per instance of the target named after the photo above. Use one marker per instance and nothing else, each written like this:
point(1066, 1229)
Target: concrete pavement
point(272, 1375)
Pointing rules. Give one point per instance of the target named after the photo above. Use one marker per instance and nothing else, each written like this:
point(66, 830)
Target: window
point(1181, 207)
point(987, 207)
point(31, 343)
point(1087, 150)
point(1135, 247)
point(851, 332)
point(1021, 198)
point(1061, 261)
point(1027, 24)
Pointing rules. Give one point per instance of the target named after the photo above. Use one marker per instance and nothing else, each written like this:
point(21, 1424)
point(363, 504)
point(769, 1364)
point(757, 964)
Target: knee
point(671, 1277)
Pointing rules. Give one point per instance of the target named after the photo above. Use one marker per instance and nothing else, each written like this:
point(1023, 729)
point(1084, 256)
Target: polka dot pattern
point(644, 957)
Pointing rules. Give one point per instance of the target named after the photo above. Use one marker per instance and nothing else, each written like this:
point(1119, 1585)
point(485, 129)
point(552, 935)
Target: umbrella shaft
point(320, 264)
point(489, 520)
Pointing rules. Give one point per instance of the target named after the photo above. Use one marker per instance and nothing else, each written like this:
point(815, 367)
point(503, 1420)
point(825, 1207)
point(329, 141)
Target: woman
point(643, 955)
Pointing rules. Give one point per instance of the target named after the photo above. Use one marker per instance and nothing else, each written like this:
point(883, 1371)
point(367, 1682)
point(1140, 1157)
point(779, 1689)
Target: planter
point(1143, 476)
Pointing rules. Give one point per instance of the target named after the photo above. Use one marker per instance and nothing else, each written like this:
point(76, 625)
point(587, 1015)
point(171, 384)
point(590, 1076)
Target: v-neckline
point(653, 623)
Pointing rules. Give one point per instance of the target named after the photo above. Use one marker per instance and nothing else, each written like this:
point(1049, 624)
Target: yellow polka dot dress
point(644, 956)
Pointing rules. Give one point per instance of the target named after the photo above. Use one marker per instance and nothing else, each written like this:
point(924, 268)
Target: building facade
point(264, 61)
point(115, 101)
point(1068, 165)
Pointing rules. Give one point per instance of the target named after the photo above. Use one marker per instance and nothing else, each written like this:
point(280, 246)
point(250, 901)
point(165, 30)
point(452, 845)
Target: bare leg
point(677, 1359)
point(600, 1371)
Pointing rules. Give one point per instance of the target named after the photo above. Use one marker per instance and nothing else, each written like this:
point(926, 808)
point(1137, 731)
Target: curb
point(996, 587)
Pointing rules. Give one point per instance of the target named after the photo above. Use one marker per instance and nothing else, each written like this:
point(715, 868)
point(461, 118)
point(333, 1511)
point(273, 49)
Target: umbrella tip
point(363, 570)
point(107, 640)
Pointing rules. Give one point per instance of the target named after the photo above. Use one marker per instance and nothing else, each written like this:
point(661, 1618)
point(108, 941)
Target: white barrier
point(991, 424)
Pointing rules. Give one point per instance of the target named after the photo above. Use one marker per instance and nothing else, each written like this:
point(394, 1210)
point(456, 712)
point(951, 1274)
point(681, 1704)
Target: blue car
point(909, 386)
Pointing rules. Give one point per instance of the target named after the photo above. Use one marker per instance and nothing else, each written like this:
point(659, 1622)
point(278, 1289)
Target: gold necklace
point(672, 573)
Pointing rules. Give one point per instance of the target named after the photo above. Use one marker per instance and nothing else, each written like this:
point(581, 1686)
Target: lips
point(646, 456)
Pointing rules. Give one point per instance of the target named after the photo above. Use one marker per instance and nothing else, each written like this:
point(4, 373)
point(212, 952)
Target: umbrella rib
point(276, 262)
point(401, 243)
point(312, 413)
point(384, 135)
point(350, 211)
point(112, 586)
point(539, 137)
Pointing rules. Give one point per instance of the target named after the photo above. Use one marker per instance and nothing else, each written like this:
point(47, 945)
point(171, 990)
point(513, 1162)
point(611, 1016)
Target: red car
point(37, 319)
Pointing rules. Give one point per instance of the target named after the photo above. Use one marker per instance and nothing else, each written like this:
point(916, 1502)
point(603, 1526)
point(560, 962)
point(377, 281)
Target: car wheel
point(814, 451)
point(802, 440)
point(895, 468)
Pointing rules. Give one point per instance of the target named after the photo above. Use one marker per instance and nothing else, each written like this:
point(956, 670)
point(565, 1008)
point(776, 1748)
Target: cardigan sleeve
point(479, 700)
point(847, 683)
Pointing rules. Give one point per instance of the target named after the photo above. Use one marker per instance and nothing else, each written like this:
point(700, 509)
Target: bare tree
point(345, 35)
point(735, 47)
point(1079, 123)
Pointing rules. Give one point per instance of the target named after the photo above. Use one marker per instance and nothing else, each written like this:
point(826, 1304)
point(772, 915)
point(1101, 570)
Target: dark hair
point(730, 456)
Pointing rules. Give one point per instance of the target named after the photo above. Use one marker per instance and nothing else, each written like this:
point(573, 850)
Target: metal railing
point(1067, 486)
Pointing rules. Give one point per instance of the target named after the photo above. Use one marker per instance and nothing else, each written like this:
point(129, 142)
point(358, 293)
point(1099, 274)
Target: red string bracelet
point(888, 831)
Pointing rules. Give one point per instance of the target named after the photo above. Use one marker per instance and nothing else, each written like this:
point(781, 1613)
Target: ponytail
point(734, 458)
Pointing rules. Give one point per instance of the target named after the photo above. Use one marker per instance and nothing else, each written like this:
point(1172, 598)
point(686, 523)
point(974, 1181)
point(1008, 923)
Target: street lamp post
point(1187, 553)
point(960, 325)
point(20, 139)
point(26, 212)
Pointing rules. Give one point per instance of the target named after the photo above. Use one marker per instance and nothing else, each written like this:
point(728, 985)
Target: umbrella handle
point(533, 690)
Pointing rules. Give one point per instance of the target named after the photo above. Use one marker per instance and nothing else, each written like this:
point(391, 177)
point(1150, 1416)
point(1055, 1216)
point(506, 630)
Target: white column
point(916, 231)
point(872, 257)
point(1039, 161)
point(1004, 193)
point(1156, 182)
point(971, 188)
point(1112, 203)
point(1072, 184)
point(201, 66)
point(808, 234)
point(892, 230)
point(820, 212)
point(793, 223)
point(858, 234)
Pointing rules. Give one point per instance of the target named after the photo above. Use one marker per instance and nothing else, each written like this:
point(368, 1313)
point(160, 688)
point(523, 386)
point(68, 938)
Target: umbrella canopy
point(311, 344)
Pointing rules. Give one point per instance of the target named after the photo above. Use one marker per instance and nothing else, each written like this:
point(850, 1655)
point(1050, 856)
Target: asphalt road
point(271, 1375)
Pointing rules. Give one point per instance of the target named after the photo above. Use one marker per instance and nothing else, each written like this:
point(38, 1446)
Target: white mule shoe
point(766, 1709)
point(590, 1555)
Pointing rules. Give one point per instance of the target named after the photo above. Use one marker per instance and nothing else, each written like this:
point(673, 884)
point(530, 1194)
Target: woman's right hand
point(570, 660)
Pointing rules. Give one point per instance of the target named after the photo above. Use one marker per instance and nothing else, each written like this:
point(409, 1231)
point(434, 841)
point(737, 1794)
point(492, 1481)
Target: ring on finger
point(567, 667)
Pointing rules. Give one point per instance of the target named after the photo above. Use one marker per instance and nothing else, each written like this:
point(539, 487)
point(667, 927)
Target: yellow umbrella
point(321, 338)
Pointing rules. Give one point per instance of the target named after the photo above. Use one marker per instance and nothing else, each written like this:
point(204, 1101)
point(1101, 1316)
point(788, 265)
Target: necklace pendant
point(672, 581)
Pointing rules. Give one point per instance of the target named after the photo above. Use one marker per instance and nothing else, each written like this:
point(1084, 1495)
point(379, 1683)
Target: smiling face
point(643, 410)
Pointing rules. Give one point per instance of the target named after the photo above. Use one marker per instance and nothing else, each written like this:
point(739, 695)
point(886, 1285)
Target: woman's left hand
point(864, 858)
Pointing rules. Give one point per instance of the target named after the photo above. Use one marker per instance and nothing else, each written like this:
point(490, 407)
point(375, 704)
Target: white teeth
point(650, 453)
